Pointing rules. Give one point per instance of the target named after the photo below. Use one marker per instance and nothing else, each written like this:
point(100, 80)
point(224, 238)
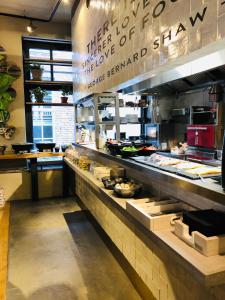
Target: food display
point(181, 167)
point(186, 165)
point(72, 155)
point(147, 150)
point(161, 160)
point(205, 170)
point(110, 183)
point(129, 151)
point(181, 148)
point(84, 163)
point(127, 190)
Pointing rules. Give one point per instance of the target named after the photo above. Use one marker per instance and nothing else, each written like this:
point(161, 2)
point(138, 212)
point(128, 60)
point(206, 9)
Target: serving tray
point(141, 159)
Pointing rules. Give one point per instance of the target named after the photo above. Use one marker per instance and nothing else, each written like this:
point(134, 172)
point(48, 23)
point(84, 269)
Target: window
point(49, 123)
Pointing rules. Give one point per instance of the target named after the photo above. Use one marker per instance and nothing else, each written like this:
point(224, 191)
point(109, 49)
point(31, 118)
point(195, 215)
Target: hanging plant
point(4, 116)
point(6, 81)
point(8, 74)
point(5, 100)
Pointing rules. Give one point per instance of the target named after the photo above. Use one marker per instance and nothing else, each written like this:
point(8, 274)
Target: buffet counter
point(167, 266)
point(208, 189)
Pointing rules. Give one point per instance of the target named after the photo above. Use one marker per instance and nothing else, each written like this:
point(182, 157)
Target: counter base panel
point(166, 273)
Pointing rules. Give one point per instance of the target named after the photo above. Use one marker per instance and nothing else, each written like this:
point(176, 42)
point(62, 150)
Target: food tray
point(208, 246)
point(141, 159)
point(156, 214)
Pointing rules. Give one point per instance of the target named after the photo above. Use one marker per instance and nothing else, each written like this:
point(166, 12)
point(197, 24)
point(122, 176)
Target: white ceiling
point(40, 9)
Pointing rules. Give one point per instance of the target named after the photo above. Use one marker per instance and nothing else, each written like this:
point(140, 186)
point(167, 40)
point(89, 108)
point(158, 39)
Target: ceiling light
point(66, 1)
point(31, 28)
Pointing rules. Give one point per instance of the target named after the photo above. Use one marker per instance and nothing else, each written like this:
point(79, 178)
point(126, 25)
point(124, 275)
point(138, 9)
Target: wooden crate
point(208, 246)
point(156, 214)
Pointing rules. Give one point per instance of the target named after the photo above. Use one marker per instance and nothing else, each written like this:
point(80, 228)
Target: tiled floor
point(56, 254)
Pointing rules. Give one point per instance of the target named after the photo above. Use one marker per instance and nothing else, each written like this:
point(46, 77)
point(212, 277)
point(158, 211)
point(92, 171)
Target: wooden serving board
point(208, 246)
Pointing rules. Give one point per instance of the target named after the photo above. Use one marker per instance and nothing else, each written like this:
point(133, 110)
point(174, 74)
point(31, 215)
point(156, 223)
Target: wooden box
point(208, 246)
point(155, 214)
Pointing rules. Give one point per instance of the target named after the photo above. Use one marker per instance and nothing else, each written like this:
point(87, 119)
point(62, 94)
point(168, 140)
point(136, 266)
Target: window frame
point(45, 44)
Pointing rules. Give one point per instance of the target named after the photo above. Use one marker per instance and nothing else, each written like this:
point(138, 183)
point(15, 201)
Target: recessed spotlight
point(31, 27)
point(66, 1)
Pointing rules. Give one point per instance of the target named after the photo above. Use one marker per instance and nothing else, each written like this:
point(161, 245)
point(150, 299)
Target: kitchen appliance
point(181, 115)
point(201, 140)
point(205, 134)
point(201, 136)
point(156, 134)
point(203, 115)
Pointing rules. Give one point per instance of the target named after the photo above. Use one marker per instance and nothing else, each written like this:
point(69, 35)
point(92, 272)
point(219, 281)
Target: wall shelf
point(49, 104)
point(48, 62)
point(46, 82)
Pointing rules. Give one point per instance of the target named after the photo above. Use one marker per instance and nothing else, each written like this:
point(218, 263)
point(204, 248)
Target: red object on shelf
point(201, 136)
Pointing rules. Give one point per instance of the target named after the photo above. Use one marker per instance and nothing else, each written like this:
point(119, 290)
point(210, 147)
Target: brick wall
point(162, 274)
point(63, 124)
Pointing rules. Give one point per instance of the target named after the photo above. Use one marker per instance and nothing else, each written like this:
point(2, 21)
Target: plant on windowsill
point(39, 94)
point(36, 71)
point(66, 91)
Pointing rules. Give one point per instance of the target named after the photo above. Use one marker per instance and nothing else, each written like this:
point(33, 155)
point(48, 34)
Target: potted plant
point(39, 94)
point(66, 91)
point(36, 71)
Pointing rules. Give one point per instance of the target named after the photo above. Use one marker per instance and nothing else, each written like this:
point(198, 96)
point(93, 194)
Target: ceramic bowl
point(128, 193)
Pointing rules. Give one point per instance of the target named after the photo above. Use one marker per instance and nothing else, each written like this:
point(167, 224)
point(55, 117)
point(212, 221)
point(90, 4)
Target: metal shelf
point(48, 62)
point(107, 123)
point(49, 104)
point(203, 112)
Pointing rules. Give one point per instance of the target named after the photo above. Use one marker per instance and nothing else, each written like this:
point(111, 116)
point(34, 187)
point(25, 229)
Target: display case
point(97, 119)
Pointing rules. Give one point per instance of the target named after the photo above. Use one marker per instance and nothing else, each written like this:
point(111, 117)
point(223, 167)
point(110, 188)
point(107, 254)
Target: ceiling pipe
point(35, 19)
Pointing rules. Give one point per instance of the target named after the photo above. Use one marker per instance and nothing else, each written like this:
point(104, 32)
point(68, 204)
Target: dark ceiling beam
point(188, 82)
point(74, 8)
point(35, 19)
